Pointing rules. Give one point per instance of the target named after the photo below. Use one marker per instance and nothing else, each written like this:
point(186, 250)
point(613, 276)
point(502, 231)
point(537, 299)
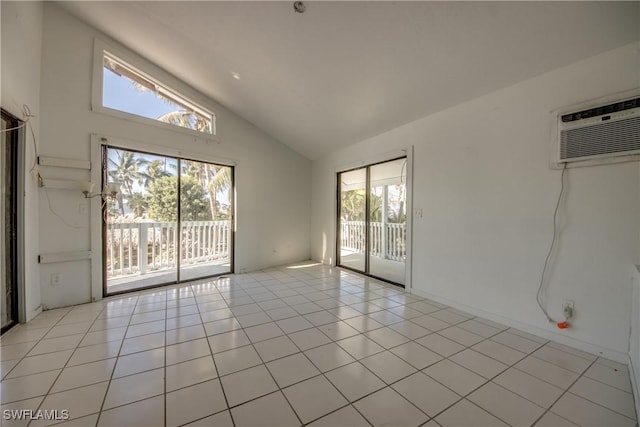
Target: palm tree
point(214, 179)
point(126, 169)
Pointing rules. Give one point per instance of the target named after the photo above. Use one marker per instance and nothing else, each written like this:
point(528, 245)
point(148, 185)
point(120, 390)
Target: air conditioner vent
point(600, 133)
point(622, 136)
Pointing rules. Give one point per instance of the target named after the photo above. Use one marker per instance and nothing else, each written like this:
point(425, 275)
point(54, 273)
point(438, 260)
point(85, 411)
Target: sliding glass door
point(372, 220)
point(9, 226)
point(352, 214)
point(171, 220)
point(205, 218)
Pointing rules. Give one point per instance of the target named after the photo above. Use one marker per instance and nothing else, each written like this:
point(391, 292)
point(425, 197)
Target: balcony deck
point(189, 272)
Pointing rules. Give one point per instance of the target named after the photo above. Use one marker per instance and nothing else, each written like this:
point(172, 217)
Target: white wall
point(482, 179)
point(21, 52)
point(272, 181)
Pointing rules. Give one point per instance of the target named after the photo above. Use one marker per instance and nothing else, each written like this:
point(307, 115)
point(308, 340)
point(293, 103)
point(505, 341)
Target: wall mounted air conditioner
point(606, 132)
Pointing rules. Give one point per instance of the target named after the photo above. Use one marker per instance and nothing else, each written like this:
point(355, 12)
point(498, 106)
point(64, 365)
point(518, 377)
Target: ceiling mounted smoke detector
point(299, 7)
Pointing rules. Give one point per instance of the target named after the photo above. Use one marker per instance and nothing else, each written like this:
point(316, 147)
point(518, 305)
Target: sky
point(119, 93)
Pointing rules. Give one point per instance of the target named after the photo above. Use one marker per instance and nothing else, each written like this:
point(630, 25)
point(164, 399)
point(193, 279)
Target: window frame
point(151, 73)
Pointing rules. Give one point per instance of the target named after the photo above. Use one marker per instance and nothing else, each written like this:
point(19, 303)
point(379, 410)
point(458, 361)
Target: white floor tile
point(613, 376)
point(275, 348)
point(79, 402)
point(427, 394)
point(457, 378)
point(410, 329)
point(228, 341)
point(82, 375)
point(562, 359)
point(188, 333)
point(142, 343)
point(263, 332)
point(546, 371)
point(247, 385)
point(236, 359)
point(441, 345)
point(177, 340)
point(149, 412)
point(552, 420)
point(195, 402)
point(584, 413)
point(386, 407)
point(431, 323)
point(27, 404)
point(345, 417)
point(516, 342)
point(187, 373)
point(539, 392)
point(221, 419)
point(416, 355)
point(338, 330)
point(360, 346)
point(388, 366)
point(314, 398)
point(329, 356)
point(134, 387)
point(354, 381)
point(41, 363)
point(271, 410)
point(466, 414)
point(506, 405)
point(294, 324)
point(186, 351)
point(605, 395)
point(479, 328)
point(292, 369)
point(56, 344)
point(479, 363)
point(26, 387)
point(139, 362)
point(387, 337)
point(499, 352)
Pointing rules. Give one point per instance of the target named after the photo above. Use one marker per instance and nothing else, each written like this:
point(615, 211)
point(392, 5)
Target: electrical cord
point(79, 227)
point(552, 246)
point(26, 112)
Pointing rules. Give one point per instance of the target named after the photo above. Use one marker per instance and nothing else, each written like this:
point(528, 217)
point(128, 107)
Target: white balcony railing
point(386, 241)
point(142, 247)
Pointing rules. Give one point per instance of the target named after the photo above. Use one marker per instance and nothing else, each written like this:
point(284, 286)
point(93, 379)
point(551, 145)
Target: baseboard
point(634, 373)
point(34, 313)
point(594, 349)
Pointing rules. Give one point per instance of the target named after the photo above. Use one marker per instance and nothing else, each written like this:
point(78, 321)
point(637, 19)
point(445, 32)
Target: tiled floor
point(293, 346)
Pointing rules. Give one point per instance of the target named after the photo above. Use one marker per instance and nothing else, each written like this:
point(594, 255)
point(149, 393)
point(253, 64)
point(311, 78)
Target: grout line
point(565, 391)
point(358, 293)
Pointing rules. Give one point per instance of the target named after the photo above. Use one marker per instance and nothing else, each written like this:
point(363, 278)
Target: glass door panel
point(352, 219)
point(387, 220)
point(141, 223)
point(205, 219)
point(8, 226)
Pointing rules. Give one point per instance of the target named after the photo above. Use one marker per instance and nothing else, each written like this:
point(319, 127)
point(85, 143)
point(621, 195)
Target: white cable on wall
point(551, 247)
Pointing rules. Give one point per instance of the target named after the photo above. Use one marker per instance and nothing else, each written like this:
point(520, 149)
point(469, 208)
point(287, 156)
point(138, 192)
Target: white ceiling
point(345, 71)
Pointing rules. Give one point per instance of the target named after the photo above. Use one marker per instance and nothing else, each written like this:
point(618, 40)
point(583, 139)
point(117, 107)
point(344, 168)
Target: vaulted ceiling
point(345, 71)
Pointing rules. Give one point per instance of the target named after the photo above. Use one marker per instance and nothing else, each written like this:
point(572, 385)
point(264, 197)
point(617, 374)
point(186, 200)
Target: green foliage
point(353, 205)
point(163, 200)
point(139, 204)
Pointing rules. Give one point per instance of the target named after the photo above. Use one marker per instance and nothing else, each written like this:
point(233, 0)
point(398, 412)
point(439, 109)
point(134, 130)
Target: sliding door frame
point(99, 174)
point(15, 138)
point(408, 155)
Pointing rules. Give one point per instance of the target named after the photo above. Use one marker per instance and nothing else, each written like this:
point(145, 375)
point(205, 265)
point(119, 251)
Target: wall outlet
point(568, 309)
point(56, 279)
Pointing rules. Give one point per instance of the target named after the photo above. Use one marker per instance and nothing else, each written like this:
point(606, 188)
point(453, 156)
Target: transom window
point(128, 90)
